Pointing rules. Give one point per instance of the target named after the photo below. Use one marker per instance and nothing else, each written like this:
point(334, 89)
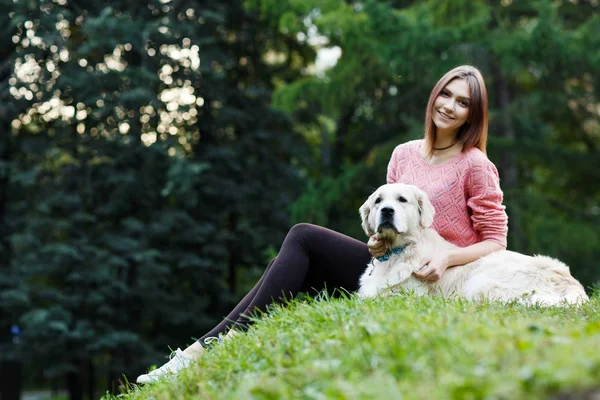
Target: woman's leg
point(239, 309)
point(311, 258)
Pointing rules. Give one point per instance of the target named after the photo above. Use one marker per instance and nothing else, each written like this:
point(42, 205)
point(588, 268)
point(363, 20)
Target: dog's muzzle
point(386, 220)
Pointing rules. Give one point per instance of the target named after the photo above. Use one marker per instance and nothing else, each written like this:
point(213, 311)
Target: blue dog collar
point(387, 255)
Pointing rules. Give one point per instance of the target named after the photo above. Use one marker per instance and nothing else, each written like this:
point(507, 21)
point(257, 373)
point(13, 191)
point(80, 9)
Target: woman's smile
point(445, 116)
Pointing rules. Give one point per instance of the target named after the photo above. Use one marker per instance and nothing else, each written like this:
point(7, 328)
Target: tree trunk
point(91, 375)
point(10, 370)
point(10, 380)
point(343, 127)
point(111, 378)
point(325, 152)
point(5, 249)
point(74, 387)
point(508, 168)
point(233, 255)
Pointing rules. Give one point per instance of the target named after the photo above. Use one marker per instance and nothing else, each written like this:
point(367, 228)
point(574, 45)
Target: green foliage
point(141, 151)
point(317, 200)
point(153, 152)
point(406, 346)
point(538, 62)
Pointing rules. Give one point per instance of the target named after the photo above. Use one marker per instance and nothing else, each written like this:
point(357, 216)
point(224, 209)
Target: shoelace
point(173, 355)
point(212, 339)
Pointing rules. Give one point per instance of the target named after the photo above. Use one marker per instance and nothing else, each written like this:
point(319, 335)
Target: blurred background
point(153, 154)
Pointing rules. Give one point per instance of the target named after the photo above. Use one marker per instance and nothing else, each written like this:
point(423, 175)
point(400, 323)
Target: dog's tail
point(560, 279)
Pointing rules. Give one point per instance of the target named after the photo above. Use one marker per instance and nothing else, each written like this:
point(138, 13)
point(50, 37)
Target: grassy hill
point(403, 347)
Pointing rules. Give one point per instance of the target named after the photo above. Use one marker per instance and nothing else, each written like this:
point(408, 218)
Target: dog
point(402, 215)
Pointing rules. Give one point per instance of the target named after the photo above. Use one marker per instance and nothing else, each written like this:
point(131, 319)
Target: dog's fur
point(503, 275)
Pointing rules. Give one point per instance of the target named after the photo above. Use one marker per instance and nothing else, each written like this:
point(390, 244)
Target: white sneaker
point(177, 362)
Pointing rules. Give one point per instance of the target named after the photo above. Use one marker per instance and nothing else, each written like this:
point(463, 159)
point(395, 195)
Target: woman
point(449, 164)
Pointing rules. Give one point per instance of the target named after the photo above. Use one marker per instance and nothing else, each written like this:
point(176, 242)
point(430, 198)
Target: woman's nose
point(449, 105)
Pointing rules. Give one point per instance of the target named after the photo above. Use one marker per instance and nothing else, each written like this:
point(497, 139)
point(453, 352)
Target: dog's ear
point(426, 210)
point(364, 212)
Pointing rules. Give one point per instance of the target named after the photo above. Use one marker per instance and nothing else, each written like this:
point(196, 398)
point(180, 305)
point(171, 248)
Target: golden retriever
point(402, 215)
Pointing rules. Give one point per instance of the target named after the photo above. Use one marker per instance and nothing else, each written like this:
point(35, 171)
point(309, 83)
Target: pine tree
point(151, 170)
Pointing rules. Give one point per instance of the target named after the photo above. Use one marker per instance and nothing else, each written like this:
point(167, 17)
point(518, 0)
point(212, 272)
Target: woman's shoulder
point(480, 167)
point(477, 157)
point(408, 146)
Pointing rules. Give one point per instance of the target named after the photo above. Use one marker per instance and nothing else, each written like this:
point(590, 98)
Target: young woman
point(449, 164)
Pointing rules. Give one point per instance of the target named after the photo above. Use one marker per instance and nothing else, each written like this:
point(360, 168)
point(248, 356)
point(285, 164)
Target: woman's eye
point(378, 200)
point(444, 93)
point(464, 104)
point(401, 199)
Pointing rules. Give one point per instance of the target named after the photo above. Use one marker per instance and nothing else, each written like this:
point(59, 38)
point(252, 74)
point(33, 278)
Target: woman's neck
point(440, 155)
point(445, 140)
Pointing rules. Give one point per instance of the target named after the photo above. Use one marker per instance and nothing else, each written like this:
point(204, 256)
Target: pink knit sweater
point(465, 192)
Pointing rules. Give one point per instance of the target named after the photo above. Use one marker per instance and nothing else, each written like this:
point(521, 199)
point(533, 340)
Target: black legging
point(311, 259)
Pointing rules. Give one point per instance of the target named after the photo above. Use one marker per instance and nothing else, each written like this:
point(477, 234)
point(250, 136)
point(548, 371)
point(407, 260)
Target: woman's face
point(451, 107)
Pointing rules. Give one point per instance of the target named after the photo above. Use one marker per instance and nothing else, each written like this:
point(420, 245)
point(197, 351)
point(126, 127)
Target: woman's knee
point(302, 231)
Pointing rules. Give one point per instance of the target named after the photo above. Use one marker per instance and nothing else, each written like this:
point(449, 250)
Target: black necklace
point(444, 148)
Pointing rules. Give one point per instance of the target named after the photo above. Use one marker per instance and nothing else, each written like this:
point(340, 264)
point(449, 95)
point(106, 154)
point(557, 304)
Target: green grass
point(403, 347)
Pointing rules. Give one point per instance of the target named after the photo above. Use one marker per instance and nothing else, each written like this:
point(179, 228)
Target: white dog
point(402, 214)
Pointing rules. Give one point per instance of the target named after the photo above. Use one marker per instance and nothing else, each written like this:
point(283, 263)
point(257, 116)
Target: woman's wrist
point(465, 255)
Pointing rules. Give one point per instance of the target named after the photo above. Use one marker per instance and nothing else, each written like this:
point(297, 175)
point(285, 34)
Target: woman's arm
point(465, 255)
point(394, 164)
point(488, 217)
point(434, 268)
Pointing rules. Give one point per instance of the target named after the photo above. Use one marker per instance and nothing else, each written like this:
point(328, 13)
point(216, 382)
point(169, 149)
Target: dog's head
point(397, 212)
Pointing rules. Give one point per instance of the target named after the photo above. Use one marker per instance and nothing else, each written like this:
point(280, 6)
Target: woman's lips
point(445, 116)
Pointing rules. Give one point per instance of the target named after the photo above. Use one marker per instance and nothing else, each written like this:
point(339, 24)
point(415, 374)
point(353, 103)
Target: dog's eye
point(401, 199)
point(378, 200)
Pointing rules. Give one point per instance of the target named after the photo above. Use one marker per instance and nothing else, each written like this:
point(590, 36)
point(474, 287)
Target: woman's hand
point(377, 247)
point(434, 267)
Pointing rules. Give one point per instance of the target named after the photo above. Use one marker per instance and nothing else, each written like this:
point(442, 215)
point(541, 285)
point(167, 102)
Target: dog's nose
point(387, 211)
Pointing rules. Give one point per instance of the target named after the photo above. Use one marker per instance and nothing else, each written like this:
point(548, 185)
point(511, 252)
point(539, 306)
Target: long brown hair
point(474, 132)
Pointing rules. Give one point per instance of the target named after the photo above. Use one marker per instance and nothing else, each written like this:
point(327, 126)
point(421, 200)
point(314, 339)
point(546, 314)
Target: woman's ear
point(364, 212)
point(426, 210)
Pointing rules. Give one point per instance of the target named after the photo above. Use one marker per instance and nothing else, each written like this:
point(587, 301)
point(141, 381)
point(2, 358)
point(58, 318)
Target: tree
point(10, 298)
point(540, 64)
point(149, 148)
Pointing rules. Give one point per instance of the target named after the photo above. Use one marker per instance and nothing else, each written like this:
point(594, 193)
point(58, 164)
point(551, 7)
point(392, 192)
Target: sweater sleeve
point(392, 169)
point(485, 202)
